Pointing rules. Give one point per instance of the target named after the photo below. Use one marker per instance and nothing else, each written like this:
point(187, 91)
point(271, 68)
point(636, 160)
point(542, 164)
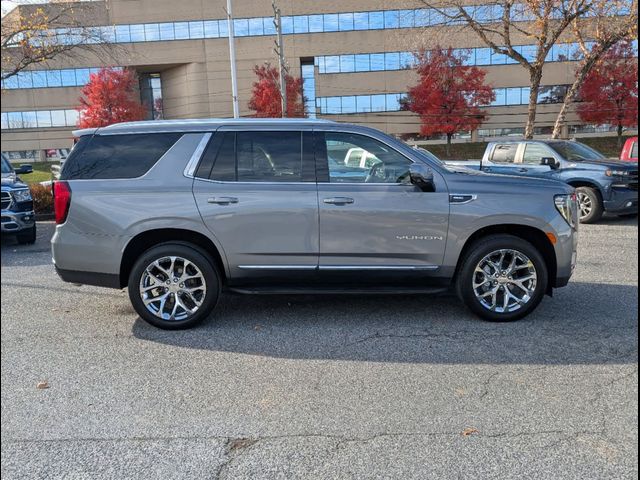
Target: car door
point(256, 193)
point(530, 160)
point(381, 222)
point(502, 159)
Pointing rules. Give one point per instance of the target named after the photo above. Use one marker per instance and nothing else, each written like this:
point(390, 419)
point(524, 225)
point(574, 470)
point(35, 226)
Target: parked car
point(178, 211)
point(602, 185)
point(18, 217)
point(630, 150)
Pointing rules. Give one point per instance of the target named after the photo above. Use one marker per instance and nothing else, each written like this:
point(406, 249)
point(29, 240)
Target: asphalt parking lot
point(323, 387)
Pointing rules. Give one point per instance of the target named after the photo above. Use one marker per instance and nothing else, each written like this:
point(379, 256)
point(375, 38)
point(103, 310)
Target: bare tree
point(596, 36)
point(36, 34)
point(500, 25)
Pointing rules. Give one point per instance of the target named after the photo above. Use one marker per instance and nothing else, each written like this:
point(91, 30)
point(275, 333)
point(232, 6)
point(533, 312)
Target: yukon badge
point(420, 237)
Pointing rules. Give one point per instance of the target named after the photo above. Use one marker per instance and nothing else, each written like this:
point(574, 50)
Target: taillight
point(61, 201)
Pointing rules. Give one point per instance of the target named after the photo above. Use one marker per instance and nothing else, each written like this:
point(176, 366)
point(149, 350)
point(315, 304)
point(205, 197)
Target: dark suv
point(18, 217)
point(178, 211)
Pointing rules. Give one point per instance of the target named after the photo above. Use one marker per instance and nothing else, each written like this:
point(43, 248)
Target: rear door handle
point(523, 170)
point(222, 200)
point(338, 200)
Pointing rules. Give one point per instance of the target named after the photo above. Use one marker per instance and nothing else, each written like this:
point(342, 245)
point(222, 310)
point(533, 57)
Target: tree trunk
point(535, 75)
point(619, 135)
point(573, 91)
point(449, 136)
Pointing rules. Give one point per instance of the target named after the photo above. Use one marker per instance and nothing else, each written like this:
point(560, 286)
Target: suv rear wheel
point(174, 286)
point(589, 204)
point(502, 278)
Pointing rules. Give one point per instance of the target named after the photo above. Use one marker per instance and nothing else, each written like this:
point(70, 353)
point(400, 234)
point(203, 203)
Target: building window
point(151, 95)
point(39, 119)
point(309, 87)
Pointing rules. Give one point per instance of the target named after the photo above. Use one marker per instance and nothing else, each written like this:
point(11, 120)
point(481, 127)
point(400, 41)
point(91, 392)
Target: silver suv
point(179, 211)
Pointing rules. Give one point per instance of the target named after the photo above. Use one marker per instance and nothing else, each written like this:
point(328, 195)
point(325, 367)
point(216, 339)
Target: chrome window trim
point(190, 169)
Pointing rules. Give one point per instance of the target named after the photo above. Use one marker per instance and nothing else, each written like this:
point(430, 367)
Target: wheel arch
point(150, 238)
point(530, 234)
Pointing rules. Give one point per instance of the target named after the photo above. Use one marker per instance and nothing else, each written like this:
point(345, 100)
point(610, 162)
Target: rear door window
point(258, 157)
point(505, 153)
point(634, 150)
point(116, 156)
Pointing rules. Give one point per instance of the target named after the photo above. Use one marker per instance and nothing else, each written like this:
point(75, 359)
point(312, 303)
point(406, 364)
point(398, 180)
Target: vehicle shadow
point(609, 219)
point(586, 323)
point(15, 254)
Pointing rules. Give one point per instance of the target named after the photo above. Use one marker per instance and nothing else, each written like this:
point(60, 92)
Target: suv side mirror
point(24, 169)
point(422, 177)
point(550, 162)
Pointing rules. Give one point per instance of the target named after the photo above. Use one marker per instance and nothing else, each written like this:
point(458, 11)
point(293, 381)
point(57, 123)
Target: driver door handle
point(222, 200)
point(523, 170)
point(338, 200)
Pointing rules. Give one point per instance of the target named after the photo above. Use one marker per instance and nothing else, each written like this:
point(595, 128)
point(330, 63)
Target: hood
point(11, 181)
point(606, 163)
point(489, 181)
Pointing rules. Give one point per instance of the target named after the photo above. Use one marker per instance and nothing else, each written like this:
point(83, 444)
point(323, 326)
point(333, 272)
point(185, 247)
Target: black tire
point(476, 253)
point(597, 206)
point(188, 252)
point(27, 237)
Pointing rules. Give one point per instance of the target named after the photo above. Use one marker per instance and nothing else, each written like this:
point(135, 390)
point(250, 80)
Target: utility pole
point(232, 56)
point(277, 21)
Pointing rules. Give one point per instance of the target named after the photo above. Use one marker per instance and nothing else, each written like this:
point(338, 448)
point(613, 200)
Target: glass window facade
point(71, 77)
point(392, 102)
point(308, 71)
point(372, 62)
point(298, 24)
point(39, 119)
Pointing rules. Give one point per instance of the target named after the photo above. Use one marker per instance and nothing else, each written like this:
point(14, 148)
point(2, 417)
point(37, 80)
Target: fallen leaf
point(460, 392)
point(238, 443)
point(467, 432)
point(42, 385)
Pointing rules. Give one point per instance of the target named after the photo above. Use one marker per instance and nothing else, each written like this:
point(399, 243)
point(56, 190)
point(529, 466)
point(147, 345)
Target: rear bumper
point(14, 222)
point(107, 280)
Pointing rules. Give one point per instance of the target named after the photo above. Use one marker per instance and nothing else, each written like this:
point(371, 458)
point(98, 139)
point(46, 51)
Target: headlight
point(616, 173)
point(567, 205)
point(22, 195)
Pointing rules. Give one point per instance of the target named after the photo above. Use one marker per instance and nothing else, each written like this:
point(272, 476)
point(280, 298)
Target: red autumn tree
point(610, 92)
point(110, 97)
point(265, 98)
point(449, 95)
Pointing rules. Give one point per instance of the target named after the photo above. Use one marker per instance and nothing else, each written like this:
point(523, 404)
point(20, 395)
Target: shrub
point(42, 198)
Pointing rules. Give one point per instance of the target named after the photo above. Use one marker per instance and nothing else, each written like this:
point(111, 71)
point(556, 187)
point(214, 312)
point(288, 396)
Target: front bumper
point(14, 222)
point(622, 200)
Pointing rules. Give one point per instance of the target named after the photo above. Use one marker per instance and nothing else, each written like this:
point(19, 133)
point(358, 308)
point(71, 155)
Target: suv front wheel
point(502, 278)
point(174, 286)
point(590, 205)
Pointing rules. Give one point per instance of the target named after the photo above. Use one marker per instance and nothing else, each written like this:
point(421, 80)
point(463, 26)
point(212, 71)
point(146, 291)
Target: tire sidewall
point(193, 254)
point(477, 253)
point(596, 202)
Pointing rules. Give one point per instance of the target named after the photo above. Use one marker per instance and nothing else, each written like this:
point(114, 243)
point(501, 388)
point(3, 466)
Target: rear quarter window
point(116, 156)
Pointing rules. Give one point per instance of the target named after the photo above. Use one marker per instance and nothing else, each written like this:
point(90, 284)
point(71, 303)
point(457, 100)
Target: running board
point(338, 291)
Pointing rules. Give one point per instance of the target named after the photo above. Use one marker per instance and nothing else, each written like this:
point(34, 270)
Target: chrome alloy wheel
point(585, 204)
point(172, 288)
point(504, 281)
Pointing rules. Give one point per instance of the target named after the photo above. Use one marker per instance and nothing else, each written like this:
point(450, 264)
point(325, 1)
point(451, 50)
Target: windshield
point(6, 166)
point(576, 152)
